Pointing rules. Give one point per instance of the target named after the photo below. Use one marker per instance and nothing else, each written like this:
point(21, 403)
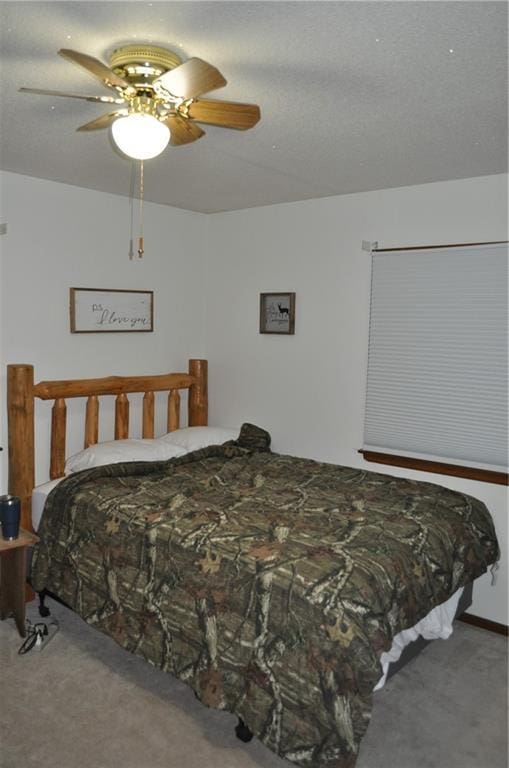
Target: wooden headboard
point(22, 393)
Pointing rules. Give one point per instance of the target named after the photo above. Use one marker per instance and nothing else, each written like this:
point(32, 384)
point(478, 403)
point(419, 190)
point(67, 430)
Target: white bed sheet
point(39, 496)
point(437, 624)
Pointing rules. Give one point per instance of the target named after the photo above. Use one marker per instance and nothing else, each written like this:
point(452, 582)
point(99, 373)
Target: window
point(437, 363)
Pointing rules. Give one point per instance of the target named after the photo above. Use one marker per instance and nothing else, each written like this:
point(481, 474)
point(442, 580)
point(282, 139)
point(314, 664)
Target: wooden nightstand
point(13, 577)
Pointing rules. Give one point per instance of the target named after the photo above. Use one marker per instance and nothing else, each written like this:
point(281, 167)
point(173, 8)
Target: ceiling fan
point(157, 98)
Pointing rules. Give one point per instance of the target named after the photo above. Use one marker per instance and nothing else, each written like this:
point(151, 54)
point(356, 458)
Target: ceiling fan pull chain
point(140, 239)
point(131, 211)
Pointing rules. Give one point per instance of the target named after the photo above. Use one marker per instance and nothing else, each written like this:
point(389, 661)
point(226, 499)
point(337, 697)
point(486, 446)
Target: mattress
point(438, 624)
point(270, 584)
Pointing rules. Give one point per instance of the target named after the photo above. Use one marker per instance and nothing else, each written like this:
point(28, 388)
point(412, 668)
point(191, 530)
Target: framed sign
point(277, 313)
point(102, 310)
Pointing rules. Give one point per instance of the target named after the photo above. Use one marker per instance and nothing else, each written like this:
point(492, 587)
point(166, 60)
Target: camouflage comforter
point(270, 584)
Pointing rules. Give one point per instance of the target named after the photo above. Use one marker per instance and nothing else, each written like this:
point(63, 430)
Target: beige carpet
point(83, 702)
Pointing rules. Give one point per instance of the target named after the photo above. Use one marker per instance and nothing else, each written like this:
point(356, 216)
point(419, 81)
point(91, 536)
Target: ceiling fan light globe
point(140, 136)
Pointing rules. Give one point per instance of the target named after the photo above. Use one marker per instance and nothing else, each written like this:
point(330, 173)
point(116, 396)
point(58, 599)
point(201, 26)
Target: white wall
point(61, 236)
point(308, 390)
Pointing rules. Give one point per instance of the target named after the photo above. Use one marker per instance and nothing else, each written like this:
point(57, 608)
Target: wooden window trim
point(437, 247)
point(438, 467)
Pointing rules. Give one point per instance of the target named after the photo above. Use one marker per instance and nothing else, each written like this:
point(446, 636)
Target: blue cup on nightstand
point(10, 510)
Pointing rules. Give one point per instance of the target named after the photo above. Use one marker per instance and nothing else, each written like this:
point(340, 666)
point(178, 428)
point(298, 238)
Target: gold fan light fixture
point(157, 96)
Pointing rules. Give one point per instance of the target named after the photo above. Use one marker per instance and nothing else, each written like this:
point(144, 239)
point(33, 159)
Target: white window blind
point(437, 384)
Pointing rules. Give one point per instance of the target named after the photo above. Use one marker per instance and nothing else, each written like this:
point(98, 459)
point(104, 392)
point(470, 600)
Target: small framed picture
point(277, 313)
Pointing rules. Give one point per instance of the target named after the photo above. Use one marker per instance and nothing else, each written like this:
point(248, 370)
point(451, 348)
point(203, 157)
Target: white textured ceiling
point(354, 96)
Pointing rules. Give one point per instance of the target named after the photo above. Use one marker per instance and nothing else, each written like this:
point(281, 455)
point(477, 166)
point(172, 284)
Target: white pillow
point(192, 438)
point(122, 450)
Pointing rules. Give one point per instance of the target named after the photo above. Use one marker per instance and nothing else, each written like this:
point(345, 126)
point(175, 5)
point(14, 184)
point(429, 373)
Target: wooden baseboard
point(491, 626)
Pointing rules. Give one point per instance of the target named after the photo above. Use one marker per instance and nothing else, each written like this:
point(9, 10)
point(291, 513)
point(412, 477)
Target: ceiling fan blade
point(191, 78)
point(182, 130)
point(103, 121)
point(227, 114)
point(103, 99)
point(95, 68)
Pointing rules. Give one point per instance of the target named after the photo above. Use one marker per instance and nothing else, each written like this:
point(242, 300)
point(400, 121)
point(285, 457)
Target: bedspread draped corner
point(270, 584)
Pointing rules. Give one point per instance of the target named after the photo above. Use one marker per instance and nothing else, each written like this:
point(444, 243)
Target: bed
point(272, 585)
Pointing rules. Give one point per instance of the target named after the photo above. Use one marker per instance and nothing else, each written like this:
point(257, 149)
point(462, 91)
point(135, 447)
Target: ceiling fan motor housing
point(141, 64)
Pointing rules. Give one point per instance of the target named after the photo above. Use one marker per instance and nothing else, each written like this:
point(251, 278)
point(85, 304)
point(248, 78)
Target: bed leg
point(43, 609)
point(242, 731)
